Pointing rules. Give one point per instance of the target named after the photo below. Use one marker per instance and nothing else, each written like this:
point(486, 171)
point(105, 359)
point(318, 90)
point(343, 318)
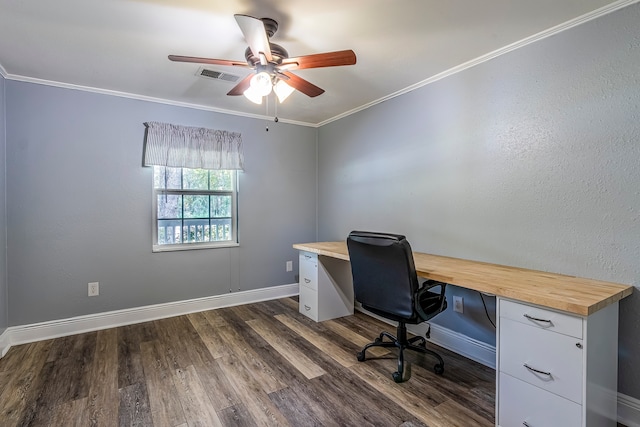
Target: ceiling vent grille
point(217, 75)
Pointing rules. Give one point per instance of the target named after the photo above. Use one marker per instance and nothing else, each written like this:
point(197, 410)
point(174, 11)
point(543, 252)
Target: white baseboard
point(468, 347)
point(75, 325)
point(628, 410)
point(5, 343)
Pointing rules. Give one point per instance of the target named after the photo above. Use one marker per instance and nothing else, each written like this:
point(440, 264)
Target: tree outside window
point(194, 208)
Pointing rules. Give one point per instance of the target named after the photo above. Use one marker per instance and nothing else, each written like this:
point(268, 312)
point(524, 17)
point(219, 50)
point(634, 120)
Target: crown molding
point(138, 97)
point(605, 10)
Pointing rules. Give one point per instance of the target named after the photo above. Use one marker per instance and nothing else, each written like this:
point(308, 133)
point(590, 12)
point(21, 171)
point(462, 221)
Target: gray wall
point(4, 305)
point(79, 206)
point(531, 159)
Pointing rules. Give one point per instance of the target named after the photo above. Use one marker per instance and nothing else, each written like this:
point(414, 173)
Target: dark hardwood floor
point(261, 364)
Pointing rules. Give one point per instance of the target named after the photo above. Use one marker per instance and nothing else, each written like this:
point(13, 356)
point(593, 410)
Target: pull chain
point(275, 117)
point(267, 112)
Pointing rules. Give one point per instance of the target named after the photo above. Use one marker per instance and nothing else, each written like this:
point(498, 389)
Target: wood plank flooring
point(261, 364)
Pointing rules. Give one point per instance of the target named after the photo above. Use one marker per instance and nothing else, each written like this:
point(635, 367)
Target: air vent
point(217, 75)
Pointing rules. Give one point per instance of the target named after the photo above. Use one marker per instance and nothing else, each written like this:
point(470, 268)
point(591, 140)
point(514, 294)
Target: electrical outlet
point(289, 265)
point(94, 289)
point(458, 304)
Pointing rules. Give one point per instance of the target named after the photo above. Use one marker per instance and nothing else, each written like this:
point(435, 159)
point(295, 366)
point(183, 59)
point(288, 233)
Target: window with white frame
point(195, 185)
point(194, 208)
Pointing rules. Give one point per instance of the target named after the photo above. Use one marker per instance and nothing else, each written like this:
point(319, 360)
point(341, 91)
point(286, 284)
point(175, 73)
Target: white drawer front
point(542, 318)
point(308, 270)
point(523, 403)
point(544, 351)
point(309, 302)
point(308, 256)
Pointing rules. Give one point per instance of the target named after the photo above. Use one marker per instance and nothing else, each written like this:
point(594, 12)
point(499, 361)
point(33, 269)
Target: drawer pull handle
point(307, 280)
point(537, 319)
point(306, 307)
point(307, 256)
point(525, 424)
point(537, 371)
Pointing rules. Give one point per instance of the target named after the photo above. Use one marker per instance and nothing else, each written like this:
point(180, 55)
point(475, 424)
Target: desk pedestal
point(555, 368)
point(326, 287)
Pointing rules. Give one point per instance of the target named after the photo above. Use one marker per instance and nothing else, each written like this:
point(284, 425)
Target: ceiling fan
point(271, 63)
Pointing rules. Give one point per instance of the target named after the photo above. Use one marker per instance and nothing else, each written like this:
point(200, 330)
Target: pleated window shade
point(192, 147)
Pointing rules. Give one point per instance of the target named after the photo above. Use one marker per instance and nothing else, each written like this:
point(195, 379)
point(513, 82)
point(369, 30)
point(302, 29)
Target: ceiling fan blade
point(194, 59)
point(255, 35)
point(302, 85)
point(242, 86)
point(319, 60)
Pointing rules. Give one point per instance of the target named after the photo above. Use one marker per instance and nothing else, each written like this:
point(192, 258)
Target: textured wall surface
point(531, 159)
point(80, 206)
point(4, 305)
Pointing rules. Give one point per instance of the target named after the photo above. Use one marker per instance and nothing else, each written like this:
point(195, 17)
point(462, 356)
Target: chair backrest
point(384, 275)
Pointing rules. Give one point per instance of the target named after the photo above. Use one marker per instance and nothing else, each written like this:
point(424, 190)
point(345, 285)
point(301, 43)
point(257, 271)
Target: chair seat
point(430, 302)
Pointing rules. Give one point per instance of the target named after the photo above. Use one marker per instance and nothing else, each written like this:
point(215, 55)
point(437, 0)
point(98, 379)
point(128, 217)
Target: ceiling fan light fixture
point(261, 83)
point(282, 90)
point(253, 95)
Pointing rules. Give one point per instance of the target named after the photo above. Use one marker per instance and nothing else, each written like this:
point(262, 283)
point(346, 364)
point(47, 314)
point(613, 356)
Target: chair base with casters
point(402, 343)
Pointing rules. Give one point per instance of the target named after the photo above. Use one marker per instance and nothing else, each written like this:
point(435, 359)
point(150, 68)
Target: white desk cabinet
point(555, 368)
point(326, 289)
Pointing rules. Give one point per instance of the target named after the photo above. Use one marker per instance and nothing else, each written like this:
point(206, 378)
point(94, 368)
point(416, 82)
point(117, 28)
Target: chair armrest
point(429, 284)
point(426, 287)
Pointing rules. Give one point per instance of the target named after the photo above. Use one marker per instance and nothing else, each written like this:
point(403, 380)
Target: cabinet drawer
point(309, 302)
point(308, 256)
point(308, 270)
point(522, 403)
point(542, 318)
point(560, 356)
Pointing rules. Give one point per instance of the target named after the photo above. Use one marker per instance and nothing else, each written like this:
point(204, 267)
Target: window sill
point(191, 247)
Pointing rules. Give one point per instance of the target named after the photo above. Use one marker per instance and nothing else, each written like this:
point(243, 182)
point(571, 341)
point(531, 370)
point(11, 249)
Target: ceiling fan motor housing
point(277, 52)
point(270, 26)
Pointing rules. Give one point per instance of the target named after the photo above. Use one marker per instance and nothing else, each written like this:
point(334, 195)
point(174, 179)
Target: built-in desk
point(557, 335)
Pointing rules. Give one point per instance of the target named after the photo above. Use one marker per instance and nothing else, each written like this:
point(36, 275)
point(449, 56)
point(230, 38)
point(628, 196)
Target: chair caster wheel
point(378, 340)
point(360, 356)
point(439, 368)
point(403, 376)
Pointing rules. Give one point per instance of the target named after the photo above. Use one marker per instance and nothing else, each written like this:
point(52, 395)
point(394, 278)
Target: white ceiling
point(122, 45)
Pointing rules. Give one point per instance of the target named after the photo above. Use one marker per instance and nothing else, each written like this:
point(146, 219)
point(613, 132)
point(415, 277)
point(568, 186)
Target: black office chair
point(385, 283)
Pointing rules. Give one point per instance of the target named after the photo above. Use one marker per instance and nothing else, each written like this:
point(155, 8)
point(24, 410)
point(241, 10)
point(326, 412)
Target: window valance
point(191, 147)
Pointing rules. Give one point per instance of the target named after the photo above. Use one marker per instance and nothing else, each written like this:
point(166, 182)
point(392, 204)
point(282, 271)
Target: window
point(194, 208)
